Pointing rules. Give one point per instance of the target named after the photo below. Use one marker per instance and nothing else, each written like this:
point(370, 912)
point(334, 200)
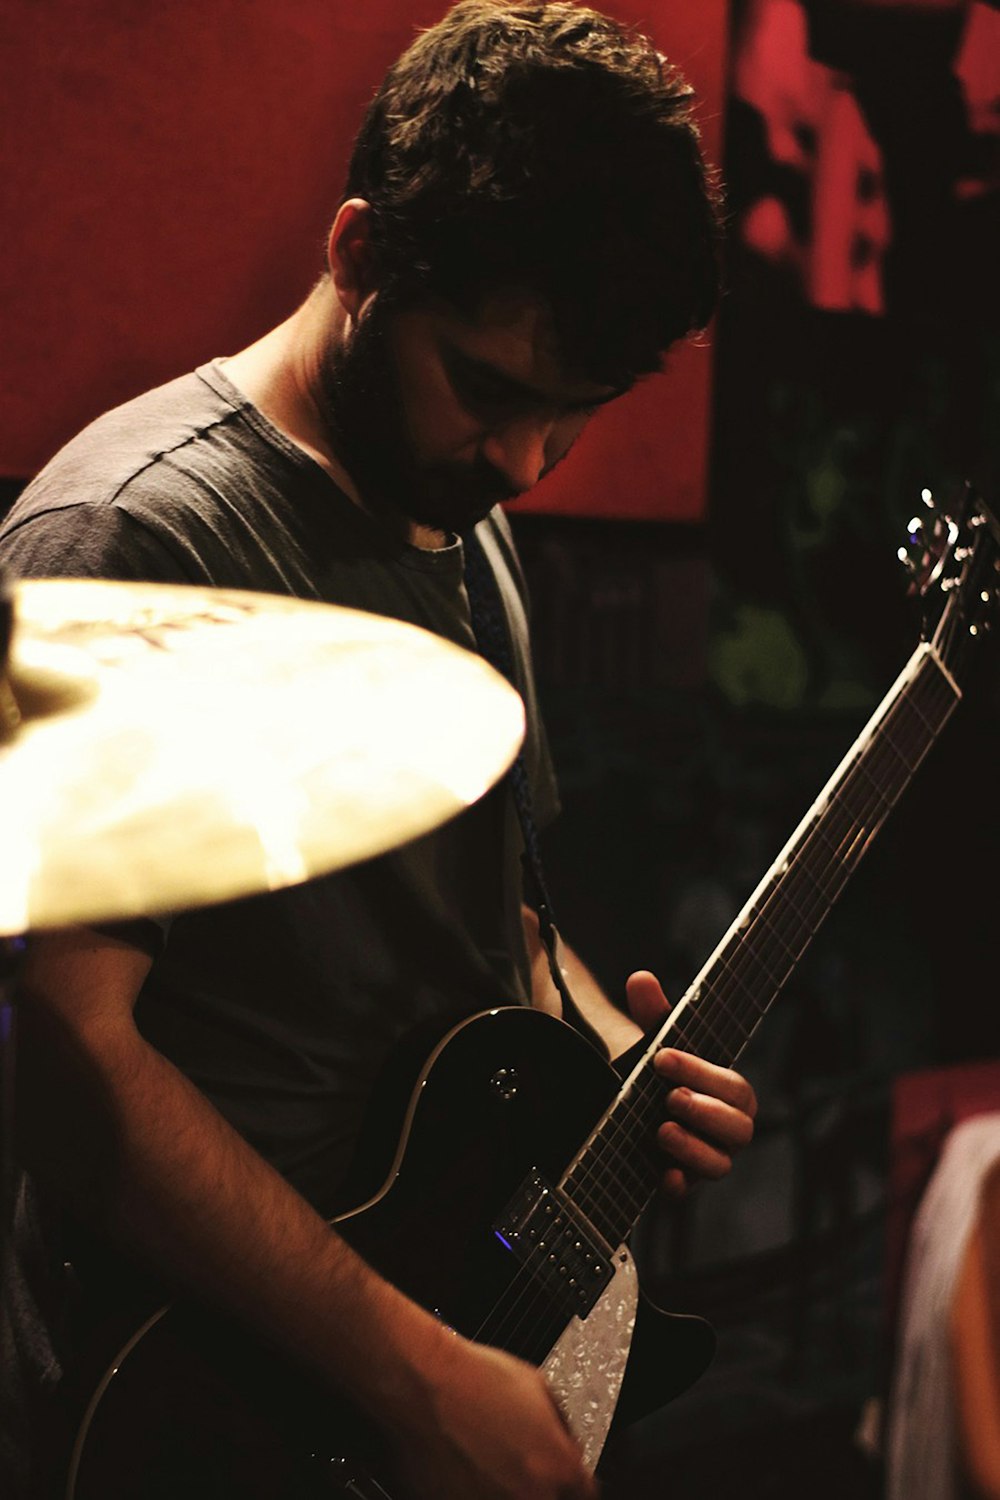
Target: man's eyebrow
point(511, 385)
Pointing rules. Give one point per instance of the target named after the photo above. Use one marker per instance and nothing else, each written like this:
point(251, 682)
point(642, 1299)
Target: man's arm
point(121, 1129)
point(710, 1110)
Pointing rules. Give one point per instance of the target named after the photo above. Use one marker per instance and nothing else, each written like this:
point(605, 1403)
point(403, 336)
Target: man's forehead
point(513, 331)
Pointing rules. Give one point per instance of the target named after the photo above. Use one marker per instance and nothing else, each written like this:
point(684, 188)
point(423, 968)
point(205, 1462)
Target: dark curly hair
point(544, 146)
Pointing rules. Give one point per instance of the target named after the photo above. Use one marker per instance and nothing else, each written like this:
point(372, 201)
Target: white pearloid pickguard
point(586, 1367)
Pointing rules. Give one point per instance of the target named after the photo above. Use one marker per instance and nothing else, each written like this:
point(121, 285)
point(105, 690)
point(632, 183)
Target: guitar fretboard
point(614, 1175)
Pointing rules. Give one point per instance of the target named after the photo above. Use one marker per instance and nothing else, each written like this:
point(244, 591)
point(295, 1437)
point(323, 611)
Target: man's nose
point(519, 450)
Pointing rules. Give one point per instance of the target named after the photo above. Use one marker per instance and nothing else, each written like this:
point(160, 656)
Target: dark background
point(721, 671)
point(703, 664)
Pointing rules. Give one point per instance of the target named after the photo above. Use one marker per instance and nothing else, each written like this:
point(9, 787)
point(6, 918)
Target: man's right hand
point(120, 1127)
point(492, 1432)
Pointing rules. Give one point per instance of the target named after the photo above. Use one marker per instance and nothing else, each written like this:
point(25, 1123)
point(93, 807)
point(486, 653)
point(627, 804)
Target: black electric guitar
point(515, 1168)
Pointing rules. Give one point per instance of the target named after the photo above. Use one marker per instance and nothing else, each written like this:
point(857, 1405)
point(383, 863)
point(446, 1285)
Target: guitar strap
point(489, 625)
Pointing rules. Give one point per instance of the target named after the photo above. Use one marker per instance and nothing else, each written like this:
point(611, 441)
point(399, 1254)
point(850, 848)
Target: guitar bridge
point(543, 1230)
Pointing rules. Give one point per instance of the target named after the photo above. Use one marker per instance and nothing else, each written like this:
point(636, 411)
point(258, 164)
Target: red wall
point(170, 171)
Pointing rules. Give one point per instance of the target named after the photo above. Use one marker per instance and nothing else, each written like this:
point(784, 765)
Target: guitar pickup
point(541, 1228)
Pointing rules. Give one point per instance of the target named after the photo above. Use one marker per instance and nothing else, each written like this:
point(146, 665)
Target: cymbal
point(179, 746)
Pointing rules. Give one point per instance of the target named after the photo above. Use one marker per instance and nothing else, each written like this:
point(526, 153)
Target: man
point(527, 226)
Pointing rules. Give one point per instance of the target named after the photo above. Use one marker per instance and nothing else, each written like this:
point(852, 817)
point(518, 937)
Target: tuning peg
point(914, 551)
point(909, 563)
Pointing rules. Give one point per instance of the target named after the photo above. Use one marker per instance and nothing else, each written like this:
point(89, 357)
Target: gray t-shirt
point(283, 1008)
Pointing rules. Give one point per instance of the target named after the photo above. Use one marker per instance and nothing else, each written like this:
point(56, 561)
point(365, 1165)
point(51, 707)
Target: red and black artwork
point(875, 128)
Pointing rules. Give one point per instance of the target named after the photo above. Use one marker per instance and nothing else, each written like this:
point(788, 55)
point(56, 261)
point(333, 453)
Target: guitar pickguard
point(587, 1364)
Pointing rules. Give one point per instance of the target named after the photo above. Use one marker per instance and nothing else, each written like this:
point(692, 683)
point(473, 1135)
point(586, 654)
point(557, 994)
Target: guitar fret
point(735, 990)
point(617, 1171)
point(701, 1020)
point(702, 1040)
point(796, 878)
point(937, 687)
point(821, 886)
point(852, 815)
point(887, 728)
point(843, 867)
point(611, 1201)
point(864, 771)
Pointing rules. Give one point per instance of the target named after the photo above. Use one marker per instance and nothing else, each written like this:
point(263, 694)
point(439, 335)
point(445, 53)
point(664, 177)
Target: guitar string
point(629, 1118)
point(526, 1297)
point(804, 854)
point(702, 1017)
point(519, 1305)
point(865, 763)
point(880, 803)
point(640, 1113)
point(635, 1117)
point(518, 1310)
point(878, 800)
point(623, 1129)
point(890, 741)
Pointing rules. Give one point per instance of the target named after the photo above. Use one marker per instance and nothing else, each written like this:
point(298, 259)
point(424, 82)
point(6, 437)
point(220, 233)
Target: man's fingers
point(696, 1157)
point(709, 1117)
point(720, 1123)
point(704, 1078)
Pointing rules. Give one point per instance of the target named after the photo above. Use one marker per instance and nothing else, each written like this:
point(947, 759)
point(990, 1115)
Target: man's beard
point(364, 415)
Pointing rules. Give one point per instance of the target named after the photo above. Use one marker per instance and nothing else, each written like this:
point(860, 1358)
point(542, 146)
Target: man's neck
point(280, 374)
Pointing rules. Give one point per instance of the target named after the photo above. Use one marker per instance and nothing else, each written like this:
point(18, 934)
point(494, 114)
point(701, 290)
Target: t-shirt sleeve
point(88, 541)
point(85, 541)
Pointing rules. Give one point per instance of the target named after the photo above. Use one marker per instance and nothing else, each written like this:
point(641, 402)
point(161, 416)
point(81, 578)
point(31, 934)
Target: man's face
point(441, 416)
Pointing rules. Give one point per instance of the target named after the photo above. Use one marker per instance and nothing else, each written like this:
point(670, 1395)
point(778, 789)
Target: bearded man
point(527, 226)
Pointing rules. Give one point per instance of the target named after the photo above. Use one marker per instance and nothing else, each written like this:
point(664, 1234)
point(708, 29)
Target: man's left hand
point(710, 1110)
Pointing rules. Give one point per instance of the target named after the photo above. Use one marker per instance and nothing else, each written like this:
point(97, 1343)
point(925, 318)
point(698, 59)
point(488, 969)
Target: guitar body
point(191, 1404)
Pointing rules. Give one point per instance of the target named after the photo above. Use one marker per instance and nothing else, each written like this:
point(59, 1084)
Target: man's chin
point(457, 518)
point(447, 502)
point(457, 502)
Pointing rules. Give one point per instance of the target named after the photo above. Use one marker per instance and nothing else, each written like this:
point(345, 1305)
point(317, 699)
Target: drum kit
point(168, 747)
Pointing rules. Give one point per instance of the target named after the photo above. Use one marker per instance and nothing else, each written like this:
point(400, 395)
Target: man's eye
point(477, 392)
point(482, 395)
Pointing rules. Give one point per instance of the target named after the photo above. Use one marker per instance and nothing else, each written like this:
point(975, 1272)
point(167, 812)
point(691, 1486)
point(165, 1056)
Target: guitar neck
point(614, 1175)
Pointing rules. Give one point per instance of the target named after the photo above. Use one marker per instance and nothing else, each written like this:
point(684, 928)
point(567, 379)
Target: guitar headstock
point(952, 554)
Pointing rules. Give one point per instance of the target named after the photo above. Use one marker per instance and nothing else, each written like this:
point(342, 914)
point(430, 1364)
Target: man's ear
point(349, 255)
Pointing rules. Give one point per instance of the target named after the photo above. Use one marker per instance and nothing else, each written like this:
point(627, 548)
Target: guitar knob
point(505, 1083)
